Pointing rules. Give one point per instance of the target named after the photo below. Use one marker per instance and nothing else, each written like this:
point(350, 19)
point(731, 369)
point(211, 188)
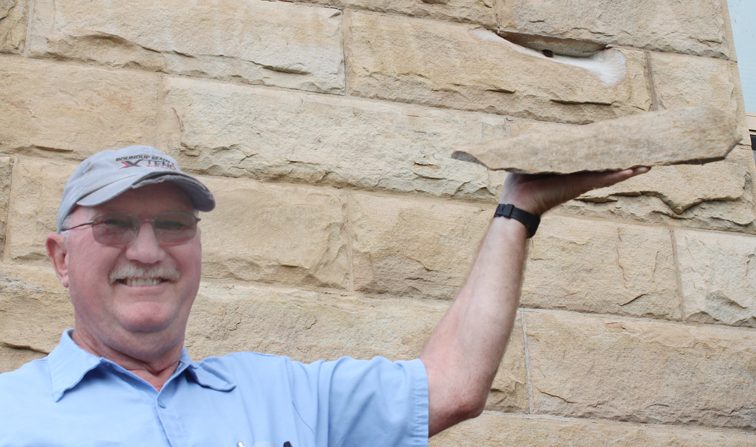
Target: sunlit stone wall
point(343, 226)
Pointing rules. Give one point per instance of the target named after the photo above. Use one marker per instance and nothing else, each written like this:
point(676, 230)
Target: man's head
point(128, 249)
point(108, 174)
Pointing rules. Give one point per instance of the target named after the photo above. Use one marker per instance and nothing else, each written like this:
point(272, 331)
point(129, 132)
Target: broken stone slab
point(692, 135)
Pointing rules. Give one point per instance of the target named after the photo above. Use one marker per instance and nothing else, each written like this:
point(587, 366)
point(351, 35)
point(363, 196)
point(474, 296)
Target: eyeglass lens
point(120, 229)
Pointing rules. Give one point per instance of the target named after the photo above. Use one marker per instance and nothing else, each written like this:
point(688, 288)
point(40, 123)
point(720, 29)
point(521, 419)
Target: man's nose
point(145, 247)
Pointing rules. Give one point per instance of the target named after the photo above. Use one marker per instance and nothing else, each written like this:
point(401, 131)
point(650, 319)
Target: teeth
point(142, 281)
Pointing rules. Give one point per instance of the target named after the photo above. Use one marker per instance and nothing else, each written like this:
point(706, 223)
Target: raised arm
point(465, 350)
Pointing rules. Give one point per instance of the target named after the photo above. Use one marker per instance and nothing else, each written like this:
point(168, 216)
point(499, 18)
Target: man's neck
point(155, 366)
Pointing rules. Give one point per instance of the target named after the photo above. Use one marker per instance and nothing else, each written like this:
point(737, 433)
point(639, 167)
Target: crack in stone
point(568, 102)
point(286, 70)
point(636, 298)
point(22, 347)
point(558, 397)
point(8, 12)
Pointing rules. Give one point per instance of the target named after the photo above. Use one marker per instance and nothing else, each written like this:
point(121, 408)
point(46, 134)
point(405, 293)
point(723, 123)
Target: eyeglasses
point(172, 227)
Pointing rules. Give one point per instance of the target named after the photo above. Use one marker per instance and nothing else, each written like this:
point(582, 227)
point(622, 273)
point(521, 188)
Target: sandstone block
point(75, 110)
point(692, 135)
point(670, 195)
point(309, 326)
point(510, 430)
point(694, 27)
point(476, 11)
point(590, 266)
point(13, 20)
point(718, 276)
point(259, 42)
point(686, 81)
point(323, 139)
point(34, 200)
point(273, 233)
point(306, 325)
point(34, 311)
point(640, 371)
point(458, 66)
point(675, 195)
point(411, 247)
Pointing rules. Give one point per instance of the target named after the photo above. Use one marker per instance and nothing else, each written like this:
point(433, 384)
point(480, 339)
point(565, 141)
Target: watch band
point(530, 221)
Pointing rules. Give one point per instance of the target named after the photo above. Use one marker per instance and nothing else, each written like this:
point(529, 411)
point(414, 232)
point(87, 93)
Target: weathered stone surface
point(686, 81)
point(35, 197)
point(718, 275)
point(12, 358)
point(476, 11)
point(454, 65)
point(411, 247)
point(13, 19)
point(305, 325)
point(321, 139)
point(495, 429)
point(591, 266)
point(677, 196)
point(82, 110)
point(34, 310)
point(309, 326)
point(6, 171)
point(695, 27)
point(273, 233)
point(641, 371)
point(690, 135)
point(260, 42)
point(680, 187)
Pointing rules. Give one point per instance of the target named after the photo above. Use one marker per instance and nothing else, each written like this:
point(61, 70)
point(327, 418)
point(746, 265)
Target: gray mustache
point(124, 271)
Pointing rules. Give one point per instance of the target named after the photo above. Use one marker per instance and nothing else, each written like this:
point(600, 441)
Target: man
point(128, 249)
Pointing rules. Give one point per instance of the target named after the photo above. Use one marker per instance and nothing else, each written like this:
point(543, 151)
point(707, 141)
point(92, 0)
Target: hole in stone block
point(608, 65)
point(554, 45)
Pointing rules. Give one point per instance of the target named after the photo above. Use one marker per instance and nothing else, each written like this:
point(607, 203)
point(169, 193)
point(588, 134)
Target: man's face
point(122, 310)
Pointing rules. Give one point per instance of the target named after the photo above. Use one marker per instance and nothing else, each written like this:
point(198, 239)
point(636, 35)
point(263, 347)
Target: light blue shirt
point(73, 398)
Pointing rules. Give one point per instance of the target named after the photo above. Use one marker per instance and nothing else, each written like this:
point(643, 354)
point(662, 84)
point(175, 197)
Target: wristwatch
point(530, 221)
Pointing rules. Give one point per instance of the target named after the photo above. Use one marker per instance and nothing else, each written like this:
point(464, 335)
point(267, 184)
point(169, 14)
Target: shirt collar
point(207, 376)
point(69, 363)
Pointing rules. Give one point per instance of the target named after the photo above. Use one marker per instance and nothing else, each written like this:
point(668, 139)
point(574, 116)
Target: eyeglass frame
point(138, 227)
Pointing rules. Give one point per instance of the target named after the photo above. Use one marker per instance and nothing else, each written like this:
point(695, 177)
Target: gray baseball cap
point(107, 174)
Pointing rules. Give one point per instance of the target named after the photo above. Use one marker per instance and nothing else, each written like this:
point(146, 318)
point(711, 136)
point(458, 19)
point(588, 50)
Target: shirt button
point(161, 403)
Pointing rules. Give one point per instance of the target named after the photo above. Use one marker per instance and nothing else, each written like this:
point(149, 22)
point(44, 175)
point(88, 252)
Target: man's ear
point(57, 250)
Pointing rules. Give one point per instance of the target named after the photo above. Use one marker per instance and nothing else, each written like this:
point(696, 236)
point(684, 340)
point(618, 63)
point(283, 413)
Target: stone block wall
point(343, 227)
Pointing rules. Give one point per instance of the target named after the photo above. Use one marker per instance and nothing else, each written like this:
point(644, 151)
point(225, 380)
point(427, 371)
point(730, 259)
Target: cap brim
point(201, 197)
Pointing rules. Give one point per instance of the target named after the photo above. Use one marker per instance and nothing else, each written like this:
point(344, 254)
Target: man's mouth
point(135, 282)
point(137, 275)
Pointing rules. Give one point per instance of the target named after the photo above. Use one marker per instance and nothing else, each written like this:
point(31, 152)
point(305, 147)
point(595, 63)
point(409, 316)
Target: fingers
point(538, 194)
point(611, 178)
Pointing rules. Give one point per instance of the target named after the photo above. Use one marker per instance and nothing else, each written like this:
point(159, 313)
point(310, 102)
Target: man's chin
point(147, 318)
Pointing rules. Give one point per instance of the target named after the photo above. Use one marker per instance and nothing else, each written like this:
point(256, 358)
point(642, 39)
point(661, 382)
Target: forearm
point(464, 352)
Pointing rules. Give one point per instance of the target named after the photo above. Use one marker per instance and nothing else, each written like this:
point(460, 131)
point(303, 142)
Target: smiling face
point(134, 299)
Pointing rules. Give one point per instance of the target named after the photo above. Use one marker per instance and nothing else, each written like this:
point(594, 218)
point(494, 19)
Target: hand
point(537, 194)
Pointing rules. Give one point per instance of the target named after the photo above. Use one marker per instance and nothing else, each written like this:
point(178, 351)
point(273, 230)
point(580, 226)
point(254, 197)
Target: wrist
point(529, 220)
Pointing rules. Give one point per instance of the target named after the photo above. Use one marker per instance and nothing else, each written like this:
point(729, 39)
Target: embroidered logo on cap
point(146, 161)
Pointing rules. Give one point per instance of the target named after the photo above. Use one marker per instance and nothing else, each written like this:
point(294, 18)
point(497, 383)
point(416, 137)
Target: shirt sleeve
point(363, 403)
